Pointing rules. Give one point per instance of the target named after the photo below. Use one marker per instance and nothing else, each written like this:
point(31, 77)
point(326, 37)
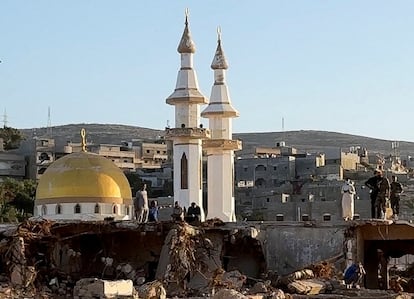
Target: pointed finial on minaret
point(83, 141)
point(187, 13)
point(186, 44)
point(219, 60)
point(218, 34)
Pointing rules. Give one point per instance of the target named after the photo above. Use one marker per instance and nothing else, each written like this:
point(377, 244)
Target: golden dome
point(83, 177)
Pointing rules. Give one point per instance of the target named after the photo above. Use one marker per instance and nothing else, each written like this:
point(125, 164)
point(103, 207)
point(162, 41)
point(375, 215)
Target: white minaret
point(188, 134)
point(220, 148)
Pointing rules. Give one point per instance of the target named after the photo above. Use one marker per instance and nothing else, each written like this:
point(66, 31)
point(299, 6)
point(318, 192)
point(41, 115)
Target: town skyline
point(335, 67)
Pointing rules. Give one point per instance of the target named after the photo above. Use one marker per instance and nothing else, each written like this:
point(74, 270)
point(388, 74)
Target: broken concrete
point(87, 288)
point(175, 259)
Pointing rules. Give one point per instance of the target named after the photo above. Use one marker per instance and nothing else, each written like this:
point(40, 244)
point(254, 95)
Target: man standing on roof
point(396, 190)
point(383, 194)
point(372, 184)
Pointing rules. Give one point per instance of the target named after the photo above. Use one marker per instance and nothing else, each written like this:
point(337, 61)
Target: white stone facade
point(220, 149)
point(187, 135)
point(84, 211)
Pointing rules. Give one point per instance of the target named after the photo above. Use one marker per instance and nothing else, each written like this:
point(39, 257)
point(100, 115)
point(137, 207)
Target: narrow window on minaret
point(184, 172)
point(200, 173)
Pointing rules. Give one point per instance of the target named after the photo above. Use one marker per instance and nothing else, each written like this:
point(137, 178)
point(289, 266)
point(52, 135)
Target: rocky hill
point(306, 140)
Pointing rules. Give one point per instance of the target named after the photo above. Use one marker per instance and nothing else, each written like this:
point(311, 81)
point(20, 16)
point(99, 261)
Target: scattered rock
point(93, 287)
point(152, 290)
point(229, 294)
point(259, 287)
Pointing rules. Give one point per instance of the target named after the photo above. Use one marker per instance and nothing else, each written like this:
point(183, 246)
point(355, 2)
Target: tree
point(16, 199)
point(11, 137)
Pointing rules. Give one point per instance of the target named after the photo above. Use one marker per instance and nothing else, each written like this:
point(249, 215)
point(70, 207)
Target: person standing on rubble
point(383, 195)
point(348, 193)
point(153, 212)
point(396, 190)
point(372, 184)
point(141, 204)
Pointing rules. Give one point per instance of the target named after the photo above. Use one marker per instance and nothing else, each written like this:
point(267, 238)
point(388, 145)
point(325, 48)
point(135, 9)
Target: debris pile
point(38, 262)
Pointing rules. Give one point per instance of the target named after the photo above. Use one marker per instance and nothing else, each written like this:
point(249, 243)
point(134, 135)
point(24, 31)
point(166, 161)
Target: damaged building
point(43, 256)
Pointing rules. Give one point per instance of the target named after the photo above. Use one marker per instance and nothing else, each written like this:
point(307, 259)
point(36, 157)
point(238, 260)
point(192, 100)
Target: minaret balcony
point(191, 133)
point(225, 144)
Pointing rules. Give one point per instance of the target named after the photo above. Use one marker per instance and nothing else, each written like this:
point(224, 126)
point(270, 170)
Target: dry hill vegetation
point(307, 140)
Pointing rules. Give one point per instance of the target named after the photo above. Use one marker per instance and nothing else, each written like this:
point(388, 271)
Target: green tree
point(11, 137)
point(16, 199)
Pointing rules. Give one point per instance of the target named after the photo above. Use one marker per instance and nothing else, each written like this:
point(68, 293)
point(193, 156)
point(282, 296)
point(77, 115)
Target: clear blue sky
point(343, 66)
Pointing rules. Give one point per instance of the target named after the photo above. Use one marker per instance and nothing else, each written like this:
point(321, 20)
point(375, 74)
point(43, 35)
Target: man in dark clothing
point(193, 213)
point(396, 190)
point(372, 183)
point(383, 195)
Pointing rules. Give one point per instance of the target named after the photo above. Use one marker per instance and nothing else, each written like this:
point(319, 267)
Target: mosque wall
point(84, 211)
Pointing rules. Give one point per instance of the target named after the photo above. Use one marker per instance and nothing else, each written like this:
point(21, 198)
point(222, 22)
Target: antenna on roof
point(5, 118)
point(49, 123)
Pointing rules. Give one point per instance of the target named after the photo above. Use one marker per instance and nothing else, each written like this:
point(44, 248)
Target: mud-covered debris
point(152, 290)
point(34, 229)
point(323, 270)
point(309, 287)
point(214, 222)
point(182, 250)
point(229, 294)
point(229, 280)
point(259, 287)
point(396, 284)
point(297, 275)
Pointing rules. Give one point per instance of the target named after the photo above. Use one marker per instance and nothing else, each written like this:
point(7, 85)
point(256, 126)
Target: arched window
point(184, 172)
point(58, 209)
point(114, 209)
point(97, 209)
point(44, 210)
point(126, 210)
point(260, 168)
point(77, 209)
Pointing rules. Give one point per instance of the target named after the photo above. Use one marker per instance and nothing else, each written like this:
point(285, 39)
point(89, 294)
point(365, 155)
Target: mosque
point(86, 186)
point(83, 186)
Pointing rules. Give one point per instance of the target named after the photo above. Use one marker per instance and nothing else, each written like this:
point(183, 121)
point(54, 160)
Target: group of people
point(149, 213)
point(382, 194)
point(143, 212)
point(192, 215)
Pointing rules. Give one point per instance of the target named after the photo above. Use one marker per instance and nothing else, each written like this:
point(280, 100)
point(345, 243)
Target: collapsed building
point(46, 257)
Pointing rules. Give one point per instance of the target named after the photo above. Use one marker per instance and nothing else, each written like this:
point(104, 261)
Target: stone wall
point(291, 247)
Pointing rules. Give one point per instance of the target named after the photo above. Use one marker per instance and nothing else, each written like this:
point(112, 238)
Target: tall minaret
point(220, 148)
point(188, 133)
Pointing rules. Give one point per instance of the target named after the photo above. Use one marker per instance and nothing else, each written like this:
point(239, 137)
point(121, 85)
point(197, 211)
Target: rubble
point(152, 290)
point(42, 259)
point(89, 288)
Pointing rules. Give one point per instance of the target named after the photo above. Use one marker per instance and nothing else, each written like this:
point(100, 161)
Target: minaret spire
point(220, 103)
point(219, 60)
point(187, 135)
point(220, 148)
point(186, 44)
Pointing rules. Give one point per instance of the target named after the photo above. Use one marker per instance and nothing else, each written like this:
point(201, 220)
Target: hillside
point(313, 141)
point(304, 140)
